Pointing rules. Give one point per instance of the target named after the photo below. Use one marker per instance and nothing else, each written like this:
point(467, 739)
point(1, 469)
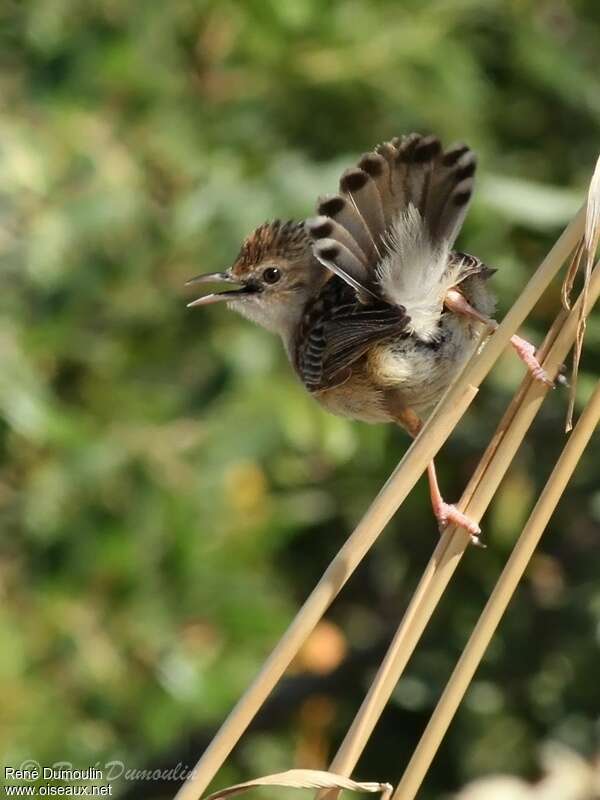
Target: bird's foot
point(448, 514)
point(526, 352)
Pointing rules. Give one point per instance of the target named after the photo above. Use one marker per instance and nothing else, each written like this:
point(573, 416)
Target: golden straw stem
point(423, 449)
point(345, 562)
point(476, 497)
point(498, 602)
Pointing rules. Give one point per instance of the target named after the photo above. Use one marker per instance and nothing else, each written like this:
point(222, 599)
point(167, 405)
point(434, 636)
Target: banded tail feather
point(398, 214)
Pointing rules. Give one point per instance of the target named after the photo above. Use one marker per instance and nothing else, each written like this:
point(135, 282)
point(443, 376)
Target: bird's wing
point(337, 330)
point(389, 231)
point(465, 265)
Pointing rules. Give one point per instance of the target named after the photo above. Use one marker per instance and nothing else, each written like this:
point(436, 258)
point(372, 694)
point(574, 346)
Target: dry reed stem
point(476, 497)
point(498, 602)
point(423, 449)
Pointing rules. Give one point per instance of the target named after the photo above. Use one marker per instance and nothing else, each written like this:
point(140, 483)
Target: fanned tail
point(390, 229)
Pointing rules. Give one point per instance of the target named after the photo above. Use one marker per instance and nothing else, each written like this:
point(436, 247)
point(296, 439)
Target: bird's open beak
point(218, 277)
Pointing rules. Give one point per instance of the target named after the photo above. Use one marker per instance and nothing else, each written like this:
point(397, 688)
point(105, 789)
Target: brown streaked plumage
point(376, 311)
point(275, 239)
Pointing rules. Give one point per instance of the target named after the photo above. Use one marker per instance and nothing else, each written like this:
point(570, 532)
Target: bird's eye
point(271, 275)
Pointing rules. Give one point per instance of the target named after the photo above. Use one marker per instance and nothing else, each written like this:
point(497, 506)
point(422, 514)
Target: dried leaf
point(305, 779)
point(589, 245)
point(569, 280)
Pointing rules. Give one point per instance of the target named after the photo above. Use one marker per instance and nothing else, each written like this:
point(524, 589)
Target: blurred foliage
point(168, 493)
point(565, 775)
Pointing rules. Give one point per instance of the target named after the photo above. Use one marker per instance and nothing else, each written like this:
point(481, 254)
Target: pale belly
point(421, 373)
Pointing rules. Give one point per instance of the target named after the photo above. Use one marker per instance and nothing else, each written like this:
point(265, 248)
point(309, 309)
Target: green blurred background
point(168, 493)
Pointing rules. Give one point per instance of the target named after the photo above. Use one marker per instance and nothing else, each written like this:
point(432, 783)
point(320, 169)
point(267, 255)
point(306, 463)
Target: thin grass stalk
point(340, 569)
point(446, 557)
point(424, 448)
point(409, 631)
point(496, 606)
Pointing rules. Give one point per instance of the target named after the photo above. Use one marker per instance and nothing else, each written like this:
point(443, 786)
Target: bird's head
point(274, 274)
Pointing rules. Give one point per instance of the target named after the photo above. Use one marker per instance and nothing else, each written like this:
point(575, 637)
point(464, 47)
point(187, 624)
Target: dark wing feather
point(469, 265)
point(337, 330)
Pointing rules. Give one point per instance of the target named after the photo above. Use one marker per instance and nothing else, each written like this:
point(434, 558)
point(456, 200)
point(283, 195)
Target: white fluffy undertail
point(414, 272)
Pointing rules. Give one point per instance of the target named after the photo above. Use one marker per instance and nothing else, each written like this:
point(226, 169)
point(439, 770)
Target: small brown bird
point(376, 311)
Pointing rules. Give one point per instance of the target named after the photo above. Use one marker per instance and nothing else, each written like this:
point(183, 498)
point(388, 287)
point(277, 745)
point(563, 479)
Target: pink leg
point(445, 513)
point(456, 302)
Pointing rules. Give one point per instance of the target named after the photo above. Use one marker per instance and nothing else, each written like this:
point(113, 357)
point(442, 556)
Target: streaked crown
point(275, 241)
